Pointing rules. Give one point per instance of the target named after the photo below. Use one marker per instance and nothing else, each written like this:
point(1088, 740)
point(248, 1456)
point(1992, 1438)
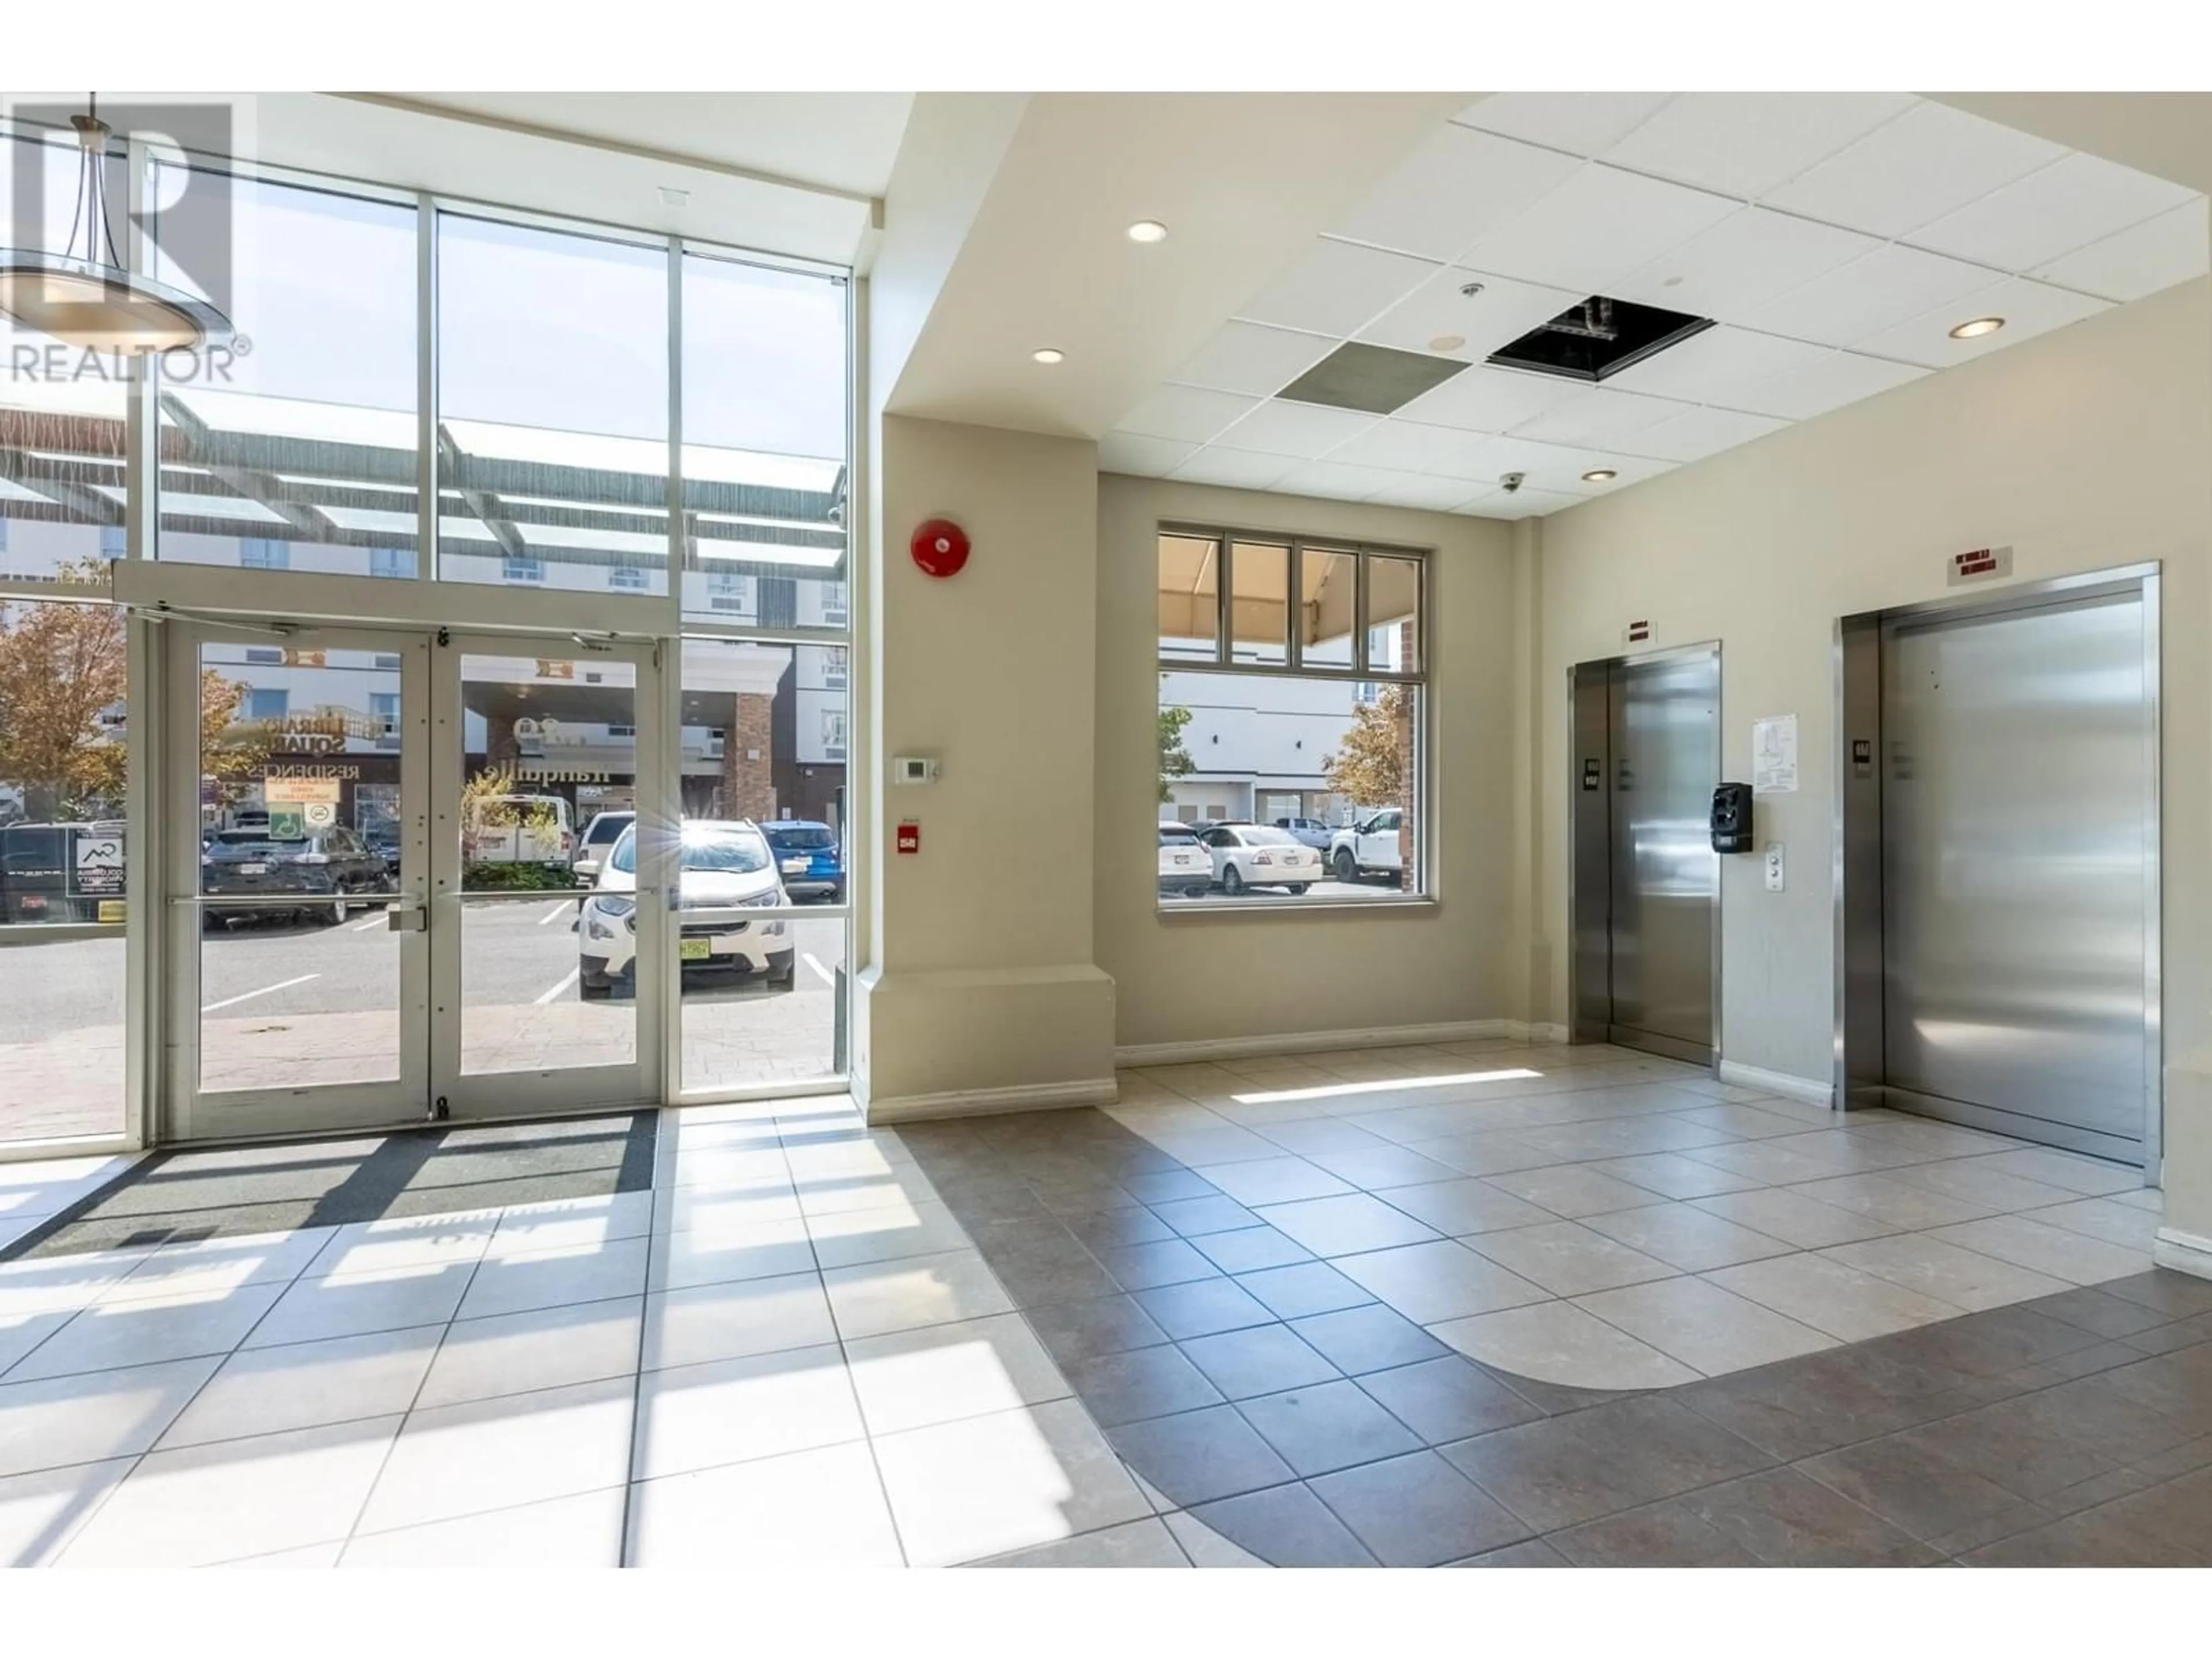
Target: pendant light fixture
point(90, 299)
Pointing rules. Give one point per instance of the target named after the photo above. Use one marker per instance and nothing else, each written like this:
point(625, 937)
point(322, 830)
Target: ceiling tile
point(1580, 123)
point(2142, 260)
point(1697, 433)
point(1931, 160)
point(1185, 412)
point(1597, 414)
point(1502, 312)
point(1337, 481)
point(1410, 447)
point(1458, 186)
point(1890, 286)
point(1749, 258)
point(2029, 308)
point(1521, 504)
point(1597, 227)
point(1840, 378)
point(1433, 495)
point(1332, 288)
point(1721, 366)
point(1250, 358)
point(1556, 468)
point(1304, 430)
point(1234, 469)
point(2069, 204)
point(1745, 143)
point(1486, 400)
point(1146, 457)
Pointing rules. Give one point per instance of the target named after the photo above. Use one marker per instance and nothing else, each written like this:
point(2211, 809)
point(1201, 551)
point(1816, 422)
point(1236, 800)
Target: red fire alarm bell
point(909, 838)
point(940, 548)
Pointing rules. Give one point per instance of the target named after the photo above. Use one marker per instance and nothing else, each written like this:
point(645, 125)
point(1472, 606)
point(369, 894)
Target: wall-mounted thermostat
point(913, 769)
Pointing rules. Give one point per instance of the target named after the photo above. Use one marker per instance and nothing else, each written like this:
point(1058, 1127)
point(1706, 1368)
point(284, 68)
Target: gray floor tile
point(1788, 1520)
point(1461, 1207)
point(1286, 1527)
point(1568, 1259)
point(1308, 1287)
point(1532, 1553)
point(1202, 1308)
point(1327, 1426)
point(1251, 1249)
point(1193, 1218)
point(1665, 1534)
point(1124, 1388)
point(1450, 1398)
point(1072, 1331)
point(1264, 1359)
point(1370, 1339)
point(1170, 1260)
point(1928, 1496)
point(1417, 1511)
point(1200, 1455)
point(1146, 1543)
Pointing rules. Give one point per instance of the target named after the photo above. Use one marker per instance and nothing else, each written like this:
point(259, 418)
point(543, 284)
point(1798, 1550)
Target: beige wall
point(2084, 450)
point(1198, 977)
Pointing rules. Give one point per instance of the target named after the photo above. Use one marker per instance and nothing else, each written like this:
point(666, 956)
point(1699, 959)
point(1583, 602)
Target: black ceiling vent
point(1598, 338)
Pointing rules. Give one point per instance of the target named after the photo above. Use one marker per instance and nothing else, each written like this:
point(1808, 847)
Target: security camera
point(1513, 481)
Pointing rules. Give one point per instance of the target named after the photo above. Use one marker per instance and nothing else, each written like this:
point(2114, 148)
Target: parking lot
point(287, 1004)
point(1341, 892)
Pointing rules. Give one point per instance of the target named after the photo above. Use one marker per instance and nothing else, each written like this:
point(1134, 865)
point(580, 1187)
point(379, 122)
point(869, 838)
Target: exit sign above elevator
point(1981, 564)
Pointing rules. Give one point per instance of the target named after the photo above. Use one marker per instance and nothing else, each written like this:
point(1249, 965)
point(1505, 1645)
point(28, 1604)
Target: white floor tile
point(1670, 1174)
point(147, 1332)
point(729, 1166)
point(1898, 1204)
point(40, 1512)
point(210, 1266)
point(721, 1252)
point(579, 1532)
point(1792, 1217)
point(307, 1384)
point(313, 1558)
point(1573, 1190)
point(2045, 1249)
point(1972, 1178)
point(1346, 1225)
point(1458, 1208)
point(81, 1419)
point(680, 1209)
point(62, 1284)
point(1558, 1342)
point(1276, 1180)
point(592, 1272)
point(1131, 1544)
point(1965, 1279)
point(352, 1304)
point(2087, 1175)
point(989, 1484)
point(2123, 1225)
point(731, 1322)
point(1685, 1237)
point(536, 1348)
point(819, 1508)
point(573, 1223)
point(497, 1454)
point(21, 1332)
point(698, 1416)
point(889, 1234)
point(903, 1185)
point(1568, 1259)
point(1704, 1327)
point(882, 1296)
point(941, 1373)
point(1830, 1296)
point(406, 1243)
point(237, 1498)
point(1441, 1279)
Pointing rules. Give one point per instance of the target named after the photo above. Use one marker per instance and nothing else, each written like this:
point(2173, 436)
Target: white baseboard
point(980, 1103)
point(1309, 1042)
point(1524, 1032)
point(2185, 1253)
point(1812, 1091)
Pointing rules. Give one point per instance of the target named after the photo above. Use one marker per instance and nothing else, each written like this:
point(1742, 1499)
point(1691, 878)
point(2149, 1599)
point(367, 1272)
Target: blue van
point(808, 854)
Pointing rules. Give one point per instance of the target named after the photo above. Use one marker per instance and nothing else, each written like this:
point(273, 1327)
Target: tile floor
point(1474, 1304)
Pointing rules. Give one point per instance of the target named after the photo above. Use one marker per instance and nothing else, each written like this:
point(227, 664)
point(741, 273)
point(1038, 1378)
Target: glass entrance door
point(377, 863)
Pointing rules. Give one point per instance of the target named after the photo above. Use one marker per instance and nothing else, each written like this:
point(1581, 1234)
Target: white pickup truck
point(1369, 847)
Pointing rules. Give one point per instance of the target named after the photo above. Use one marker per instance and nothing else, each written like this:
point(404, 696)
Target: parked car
point(1310, 832)
point(39, 876)
point(1261, 855)
point(1186, 867)
point(807, 854)
point(599, 840)
point(725, 863)
point(331, 871)
point(1369, 847)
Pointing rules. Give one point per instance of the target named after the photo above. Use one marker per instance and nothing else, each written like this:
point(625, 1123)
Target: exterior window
point(264, 654)
point(521, 570)
point(833, 732)
point(383, 706)
point(1291, 673)
point(266, 702)
point(258, 553)
point(391, 561)
point(629, 576)
point(113, 540)
point(834, 671)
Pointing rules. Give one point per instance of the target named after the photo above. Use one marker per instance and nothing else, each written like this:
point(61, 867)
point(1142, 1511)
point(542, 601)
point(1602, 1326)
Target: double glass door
point(375, 862)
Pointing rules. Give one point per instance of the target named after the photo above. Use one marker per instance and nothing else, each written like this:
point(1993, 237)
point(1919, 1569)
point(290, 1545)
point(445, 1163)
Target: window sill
point(1215, 908)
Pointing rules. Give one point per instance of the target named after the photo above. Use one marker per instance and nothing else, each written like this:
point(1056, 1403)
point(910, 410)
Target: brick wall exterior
point(748, 759)
point(1408, 767)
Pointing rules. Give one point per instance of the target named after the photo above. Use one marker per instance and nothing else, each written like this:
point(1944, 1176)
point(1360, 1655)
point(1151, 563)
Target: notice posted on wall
point(1774, 756)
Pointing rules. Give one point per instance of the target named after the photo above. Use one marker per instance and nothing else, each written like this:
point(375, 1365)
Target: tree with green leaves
point(1175, 759)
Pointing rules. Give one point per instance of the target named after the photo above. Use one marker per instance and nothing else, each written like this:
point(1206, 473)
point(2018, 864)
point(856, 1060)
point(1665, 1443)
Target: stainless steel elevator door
point(1665, 740)
point(2017, 835)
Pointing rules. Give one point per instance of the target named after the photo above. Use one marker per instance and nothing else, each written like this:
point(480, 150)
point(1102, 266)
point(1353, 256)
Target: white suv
point(726, 863)
point(1372, 846)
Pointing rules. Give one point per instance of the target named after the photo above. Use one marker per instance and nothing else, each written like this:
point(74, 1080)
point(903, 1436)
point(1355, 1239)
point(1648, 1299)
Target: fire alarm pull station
point(909, 836)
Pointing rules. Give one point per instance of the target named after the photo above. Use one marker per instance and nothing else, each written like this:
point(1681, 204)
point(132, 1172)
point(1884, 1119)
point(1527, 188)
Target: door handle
point(405, 918)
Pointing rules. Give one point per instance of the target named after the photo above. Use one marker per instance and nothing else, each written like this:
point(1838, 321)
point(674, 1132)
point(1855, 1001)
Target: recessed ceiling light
point(1048, 354)
point(1599, 475)
point(1976, 329)
point(1148, 230)
point(1448, 343)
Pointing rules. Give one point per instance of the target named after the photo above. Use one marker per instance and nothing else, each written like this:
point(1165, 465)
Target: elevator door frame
point(1861, 1077)
point(1590, 902)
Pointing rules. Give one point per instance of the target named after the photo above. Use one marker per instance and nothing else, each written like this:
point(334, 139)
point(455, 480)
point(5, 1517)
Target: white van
point(520, 830)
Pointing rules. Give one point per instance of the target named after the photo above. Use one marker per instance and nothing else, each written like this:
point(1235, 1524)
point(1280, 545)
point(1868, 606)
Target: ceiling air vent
point(1598, 338)
point(1373, 379)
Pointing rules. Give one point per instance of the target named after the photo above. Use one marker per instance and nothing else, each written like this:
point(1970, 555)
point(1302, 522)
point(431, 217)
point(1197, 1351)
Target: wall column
point(748, 758)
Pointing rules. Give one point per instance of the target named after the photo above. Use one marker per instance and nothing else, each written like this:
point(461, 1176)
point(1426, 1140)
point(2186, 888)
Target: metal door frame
point(1585, 910)
point(430, 1008)
point(1860, 1066)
